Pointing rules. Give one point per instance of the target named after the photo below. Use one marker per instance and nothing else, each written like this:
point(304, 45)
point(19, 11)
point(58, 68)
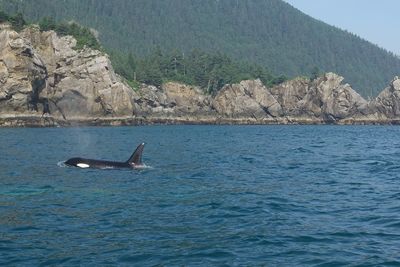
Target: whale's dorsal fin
point(136, 158)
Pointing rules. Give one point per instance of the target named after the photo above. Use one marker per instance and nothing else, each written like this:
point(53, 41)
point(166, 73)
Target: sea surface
point(211, 196)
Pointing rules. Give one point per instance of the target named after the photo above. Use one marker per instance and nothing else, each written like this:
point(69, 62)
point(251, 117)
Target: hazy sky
point(377, 21)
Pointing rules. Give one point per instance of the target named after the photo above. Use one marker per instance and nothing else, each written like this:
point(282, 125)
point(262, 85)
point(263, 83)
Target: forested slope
point(268, 32)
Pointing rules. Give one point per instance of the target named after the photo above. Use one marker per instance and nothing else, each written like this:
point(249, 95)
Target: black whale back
point(135, 160)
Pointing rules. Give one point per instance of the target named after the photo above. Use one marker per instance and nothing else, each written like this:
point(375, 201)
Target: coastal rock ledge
point(44, 81)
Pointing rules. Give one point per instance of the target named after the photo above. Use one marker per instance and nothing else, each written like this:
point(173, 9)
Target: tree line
point(206, 70)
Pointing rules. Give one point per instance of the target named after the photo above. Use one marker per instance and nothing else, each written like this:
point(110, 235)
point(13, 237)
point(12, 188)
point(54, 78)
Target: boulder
point(151, 100)
point(387, 102)
point(246, 99)
point(332, 100)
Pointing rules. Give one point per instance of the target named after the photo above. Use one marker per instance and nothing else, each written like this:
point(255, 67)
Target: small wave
point(302, 150)
point(144, 167)
point(107, 168)
point(25, 191)
point(62, 164)
point(393, 225)
point(25, 228)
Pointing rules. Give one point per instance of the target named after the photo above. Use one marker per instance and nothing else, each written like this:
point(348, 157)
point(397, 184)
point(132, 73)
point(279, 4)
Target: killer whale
point(134, 162)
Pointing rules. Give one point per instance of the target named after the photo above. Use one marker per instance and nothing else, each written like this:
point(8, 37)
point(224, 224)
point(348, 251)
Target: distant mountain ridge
point(268, 32)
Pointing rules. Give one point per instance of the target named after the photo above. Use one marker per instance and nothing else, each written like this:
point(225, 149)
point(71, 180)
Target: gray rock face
point(324, 98)
point(186, 99)
point(247, 99)
point(172, 98)
point(61, 81)
point(22, 73)
point(151, 100)
point(344, 102)
point(387, 102)
point(330, 99)
point(289, 94)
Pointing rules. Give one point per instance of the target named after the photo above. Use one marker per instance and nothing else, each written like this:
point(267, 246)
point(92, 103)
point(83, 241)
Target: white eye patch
point(82, 165)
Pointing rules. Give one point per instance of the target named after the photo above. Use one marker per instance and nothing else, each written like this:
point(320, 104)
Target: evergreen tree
point(315, 73)
point(47, 24)
point(17, 21)
point(4, 17)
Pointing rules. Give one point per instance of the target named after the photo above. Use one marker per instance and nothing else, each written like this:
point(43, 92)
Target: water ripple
point(218, 196)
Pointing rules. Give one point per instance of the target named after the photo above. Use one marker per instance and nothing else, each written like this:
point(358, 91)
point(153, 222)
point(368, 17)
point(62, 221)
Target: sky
point(377, 21)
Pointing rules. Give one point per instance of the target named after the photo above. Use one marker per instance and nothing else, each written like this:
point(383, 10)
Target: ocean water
point(213, 196)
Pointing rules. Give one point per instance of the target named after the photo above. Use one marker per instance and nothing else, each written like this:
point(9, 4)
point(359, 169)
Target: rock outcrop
point(325, 98)
point(44, 81)
point(44, 71)
point(22, 73)
point(171, 100)
point(186, 99)
point(248, 99)
point(289, 94)
point(387, 103)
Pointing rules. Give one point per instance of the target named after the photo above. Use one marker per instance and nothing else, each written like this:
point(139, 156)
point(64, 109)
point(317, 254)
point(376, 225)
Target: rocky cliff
point(45, 81)
point(22, 73)
point(42, 75)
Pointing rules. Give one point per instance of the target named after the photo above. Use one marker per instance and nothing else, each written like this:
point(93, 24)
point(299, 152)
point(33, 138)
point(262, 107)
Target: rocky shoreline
point(44, 82)
point(32, 121)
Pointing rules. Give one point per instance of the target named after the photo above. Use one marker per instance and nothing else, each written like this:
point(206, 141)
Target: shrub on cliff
point(82, 34)
point(47, 24)
point(17, 21)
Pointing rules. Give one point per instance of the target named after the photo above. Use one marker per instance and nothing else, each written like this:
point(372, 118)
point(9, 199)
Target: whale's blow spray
point(84, 140)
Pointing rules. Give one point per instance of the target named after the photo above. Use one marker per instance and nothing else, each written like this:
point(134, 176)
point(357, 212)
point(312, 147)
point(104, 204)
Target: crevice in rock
point(265, 109)
point(37, 86)
point(27, 52)
point(6, 97)
point(76, 92)
point(58, 108)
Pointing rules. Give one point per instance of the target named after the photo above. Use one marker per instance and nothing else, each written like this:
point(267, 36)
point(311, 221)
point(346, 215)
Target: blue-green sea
point(211, 196)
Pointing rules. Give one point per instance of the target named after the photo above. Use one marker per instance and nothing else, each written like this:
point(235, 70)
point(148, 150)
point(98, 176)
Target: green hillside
point(267, 32)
